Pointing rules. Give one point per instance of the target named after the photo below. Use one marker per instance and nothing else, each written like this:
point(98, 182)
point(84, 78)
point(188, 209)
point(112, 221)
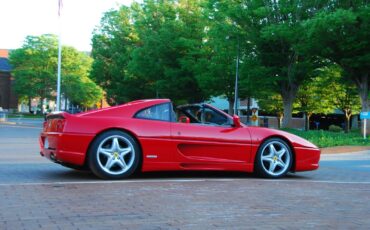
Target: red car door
point(210, 141)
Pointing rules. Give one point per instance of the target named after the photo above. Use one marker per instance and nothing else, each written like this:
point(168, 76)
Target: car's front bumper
point(306, 158)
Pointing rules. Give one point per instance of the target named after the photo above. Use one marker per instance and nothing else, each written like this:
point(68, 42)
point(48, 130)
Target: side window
point(156, 112)
point(196, 113)
point(212, 117)
point(201, 114)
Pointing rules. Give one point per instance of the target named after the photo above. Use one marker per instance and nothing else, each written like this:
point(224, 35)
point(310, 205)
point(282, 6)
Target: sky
point(19, 18)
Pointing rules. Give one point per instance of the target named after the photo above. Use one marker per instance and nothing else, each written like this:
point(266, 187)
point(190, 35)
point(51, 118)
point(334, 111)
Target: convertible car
point(153, 135)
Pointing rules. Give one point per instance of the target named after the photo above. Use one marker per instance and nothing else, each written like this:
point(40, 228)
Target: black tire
point(107, 161)
point(273, 162)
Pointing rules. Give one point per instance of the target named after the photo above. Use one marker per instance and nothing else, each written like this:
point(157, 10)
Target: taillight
point(60, 125)
point(44, 125)
point(55, 122)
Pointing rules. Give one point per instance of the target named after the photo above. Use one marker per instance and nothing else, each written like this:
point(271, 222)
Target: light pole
point(236, 80)
point(60, 5)
point(59, 71)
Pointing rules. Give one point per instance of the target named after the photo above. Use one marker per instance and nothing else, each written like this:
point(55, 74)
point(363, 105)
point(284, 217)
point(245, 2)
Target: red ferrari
point(152, 135)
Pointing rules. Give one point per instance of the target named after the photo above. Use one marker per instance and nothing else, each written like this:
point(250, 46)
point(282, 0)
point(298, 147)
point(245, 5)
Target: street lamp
point(236, 76)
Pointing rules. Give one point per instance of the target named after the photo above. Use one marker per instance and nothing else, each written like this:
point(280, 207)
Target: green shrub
point(323, 138)
point(335, 128)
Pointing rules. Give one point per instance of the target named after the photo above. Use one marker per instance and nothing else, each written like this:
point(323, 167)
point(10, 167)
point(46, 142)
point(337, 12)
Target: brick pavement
point(334, 197)
point(210, 204)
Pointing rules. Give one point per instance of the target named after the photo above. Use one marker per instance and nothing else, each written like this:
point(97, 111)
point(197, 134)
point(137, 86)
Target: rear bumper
point(307, 159)
point(65, 147)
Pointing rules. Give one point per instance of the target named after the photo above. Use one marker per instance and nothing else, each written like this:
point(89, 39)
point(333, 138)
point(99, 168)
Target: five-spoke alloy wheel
point(274, 158)
point(114, 155)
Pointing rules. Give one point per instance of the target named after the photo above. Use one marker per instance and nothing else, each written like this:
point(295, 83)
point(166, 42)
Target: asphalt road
point(38, 194)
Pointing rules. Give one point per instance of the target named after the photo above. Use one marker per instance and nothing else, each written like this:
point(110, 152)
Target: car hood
point(260, 133)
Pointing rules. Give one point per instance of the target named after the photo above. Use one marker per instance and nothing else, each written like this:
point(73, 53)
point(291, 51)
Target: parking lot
point(38, 194)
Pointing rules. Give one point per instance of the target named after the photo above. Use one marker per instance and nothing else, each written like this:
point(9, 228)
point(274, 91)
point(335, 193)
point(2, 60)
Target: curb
point(8, 123)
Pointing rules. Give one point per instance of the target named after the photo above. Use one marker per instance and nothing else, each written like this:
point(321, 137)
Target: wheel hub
point(275, 159)
point(116, 155)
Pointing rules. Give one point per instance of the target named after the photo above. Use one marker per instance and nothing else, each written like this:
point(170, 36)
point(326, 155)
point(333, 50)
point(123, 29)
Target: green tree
point(170, 34)
point(35, 68)
point(227, 37)
point(76, 84)
point(315, 96)
point(81, 90)
point(341, 93)
point(216, 67)
point(273, 104)
point(112, 44)
point(147, 51)
point(341, 33)
point(281, 48)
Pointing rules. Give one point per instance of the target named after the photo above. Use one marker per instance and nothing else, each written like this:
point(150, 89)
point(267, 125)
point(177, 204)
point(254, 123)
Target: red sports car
point(152, 135)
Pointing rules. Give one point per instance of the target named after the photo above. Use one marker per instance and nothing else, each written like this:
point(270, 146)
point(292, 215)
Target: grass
point(25, 115)
point(322, 138)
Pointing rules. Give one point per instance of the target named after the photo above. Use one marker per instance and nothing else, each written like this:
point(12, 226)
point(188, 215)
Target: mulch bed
point(344, 149)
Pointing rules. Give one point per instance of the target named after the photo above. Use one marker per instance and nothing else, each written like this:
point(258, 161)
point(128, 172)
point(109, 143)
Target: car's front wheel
point(274, 158)
point(114, 155)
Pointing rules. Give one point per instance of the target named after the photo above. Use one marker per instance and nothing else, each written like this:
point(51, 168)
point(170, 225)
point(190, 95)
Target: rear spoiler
point(57, 115)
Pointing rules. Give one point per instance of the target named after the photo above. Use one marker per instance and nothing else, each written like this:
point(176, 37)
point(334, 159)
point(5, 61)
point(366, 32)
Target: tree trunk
point(307, 116)
point(279, 117)
point(42, 106)
point(30, 104)
point(231, 106)
point(288, 93)
point(248, 108)
point(347, 124)
point(65, 103)
point(362, 84)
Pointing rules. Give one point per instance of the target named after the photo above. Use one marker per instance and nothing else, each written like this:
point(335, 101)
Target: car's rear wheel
point(114, 155)
point(274, 158)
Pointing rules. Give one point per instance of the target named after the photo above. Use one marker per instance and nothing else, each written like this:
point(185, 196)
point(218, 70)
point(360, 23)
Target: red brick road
point(200, 204)
point(36, 194)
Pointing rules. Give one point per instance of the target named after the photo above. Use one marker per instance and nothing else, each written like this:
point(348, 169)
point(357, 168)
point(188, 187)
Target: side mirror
point(236, 121)
point(184, 119)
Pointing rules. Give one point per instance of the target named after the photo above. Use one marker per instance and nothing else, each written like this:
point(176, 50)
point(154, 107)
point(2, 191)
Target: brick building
point(8, 99)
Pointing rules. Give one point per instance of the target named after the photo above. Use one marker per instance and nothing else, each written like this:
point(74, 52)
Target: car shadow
point(192, 175)
point(78, 175)
point(186, 175)
point(208, 175)
point(82, 175)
